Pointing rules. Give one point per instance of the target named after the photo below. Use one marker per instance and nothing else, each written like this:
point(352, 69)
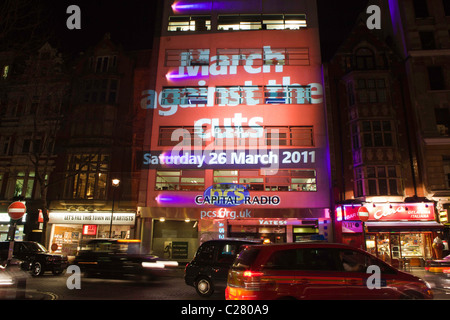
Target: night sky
point(130, 22)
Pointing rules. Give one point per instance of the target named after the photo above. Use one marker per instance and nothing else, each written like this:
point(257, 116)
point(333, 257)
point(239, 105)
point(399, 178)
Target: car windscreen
point(35, 247)
point(245, 258)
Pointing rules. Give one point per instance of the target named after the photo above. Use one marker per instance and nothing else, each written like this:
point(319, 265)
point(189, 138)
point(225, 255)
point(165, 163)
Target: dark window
point(436, 77)
point(206, 253)
point(427, 40)
point(421, 8)
point(446, 4)
point(322, 259)
point(442, 120)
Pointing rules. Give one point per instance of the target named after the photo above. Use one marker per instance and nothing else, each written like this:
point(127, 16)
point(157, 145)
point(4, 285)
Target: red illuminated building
point(237, 110)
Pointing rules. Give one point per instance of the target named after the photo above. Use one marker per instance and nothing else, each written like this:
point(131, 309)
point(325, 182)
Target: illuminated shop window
point(184, 96)
point(244, 22)
point(180, 180)
point(187, 57)
point(189, 23)
point(185, 136)
point(87, 176)
point(266, 180)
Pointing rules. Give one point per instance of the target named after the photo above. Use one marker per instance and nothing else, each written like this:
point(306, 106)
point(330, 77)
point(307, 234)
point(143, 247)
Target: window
point(5, 71)
point(266, 56)
point(24, 184)
point(323, 259)
point(184, 96)
point(239, 95)
point(427, 40)
point(189, 23)
point(436, 78)
point(101, 91)
point(87, 176)
point(263, 180)
point(442, 120)
point(446, 161)
point(420, 8)
point(190, 136)
point(377, 133)
point(105, 64)
point(371, 90)
point(187, 57)
point(365, 59)
point(382, 180)
point(180, 180)
point(446, 4)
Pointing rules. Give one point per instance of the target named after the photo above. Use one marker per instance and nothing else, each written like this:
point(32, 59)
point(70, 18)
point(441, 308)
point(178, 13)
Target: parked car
point(208, 270)
point(120, 258)
point(36, 258)
point(438, 266)
point(318, 271)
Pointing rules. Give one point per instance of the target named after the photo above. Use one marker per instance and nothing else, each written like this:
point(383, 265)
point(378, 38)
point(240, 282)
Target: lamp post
point(115, 184)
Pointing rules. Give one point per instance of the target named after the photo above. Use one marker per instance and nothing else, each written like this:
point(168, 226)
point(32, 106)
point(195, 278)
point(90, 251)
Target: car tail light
point(252, 280)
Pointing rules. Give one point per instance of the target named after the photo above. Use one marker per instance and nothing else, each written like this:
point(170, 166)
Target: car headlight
point(153, 265)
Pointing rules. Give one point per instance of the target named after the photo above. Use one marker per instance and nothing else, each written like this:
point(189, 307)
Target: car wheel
point(204, 287)
point(36, 269)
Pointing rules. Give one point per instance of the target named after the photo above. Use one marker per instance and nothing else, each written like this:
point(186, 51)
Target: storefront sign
point(224, 213)
point(90, 230)
point(119, 218)
point(352, 227)
point(224, 195)
point(391, 212)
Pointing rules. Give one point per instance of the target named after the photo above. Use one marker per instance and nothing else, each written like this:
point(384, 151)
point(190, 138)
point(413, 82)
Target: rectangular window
point(377, 133)
point(436, 78)
point(371, 90)
point(266, 56)
point(442, 120)
point(189, 23)
point(186, 136)
point(87, 176)
point(187, 57)
point(380, 181)
point(184, 96)
point(420, 8)
point(180, 180)
point(101, 91)
point(263, 180)
point(427, 40)
point(24, 185)
point(446, 162)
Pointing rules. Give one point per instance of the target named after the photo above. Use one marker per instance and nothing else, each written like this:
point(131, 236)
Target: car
point(120, 258)
point(438, 266)
point(208, 270)
point(35, 257)
point(322, 271)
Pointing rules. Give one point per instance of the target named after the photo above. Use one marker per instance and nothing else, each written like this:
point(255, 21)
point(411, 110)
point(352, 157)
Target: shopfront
point(5, 223)
point(68, 228)
point(396, 233)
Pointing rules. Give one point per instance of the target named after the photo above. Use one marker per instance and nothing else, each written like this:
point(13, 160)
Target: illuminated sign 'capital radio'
point(230, 195)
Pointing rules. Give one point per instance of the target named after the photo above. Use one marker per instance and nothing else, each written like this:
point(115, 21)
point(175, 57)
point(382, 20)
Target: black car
point(36, 258)
point(120, 258)
point(208, 270)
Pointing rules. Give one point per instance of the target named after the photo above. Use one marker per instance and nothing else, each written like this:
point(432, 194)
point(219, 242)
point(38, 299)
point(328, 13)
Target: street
point(50, 287)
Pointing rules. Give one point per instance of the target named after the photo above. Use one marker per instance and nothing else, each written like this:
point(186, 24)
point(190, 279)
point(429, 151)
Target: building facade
point(236, 143)
point(377, 164)
point(420, 32)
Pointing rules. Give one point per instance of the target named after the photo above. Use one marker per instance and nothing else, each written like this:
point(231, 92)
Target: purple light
point(174, 199)
point(174, 75)
point(186, 5)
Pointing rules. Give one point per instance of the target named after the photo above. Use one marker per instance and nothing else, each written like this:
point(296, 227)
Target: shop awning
point(389, 226)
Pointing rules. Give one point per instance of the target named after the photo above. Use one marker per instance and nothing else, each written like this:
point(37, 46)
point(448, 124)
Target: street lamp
point(115, 184)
